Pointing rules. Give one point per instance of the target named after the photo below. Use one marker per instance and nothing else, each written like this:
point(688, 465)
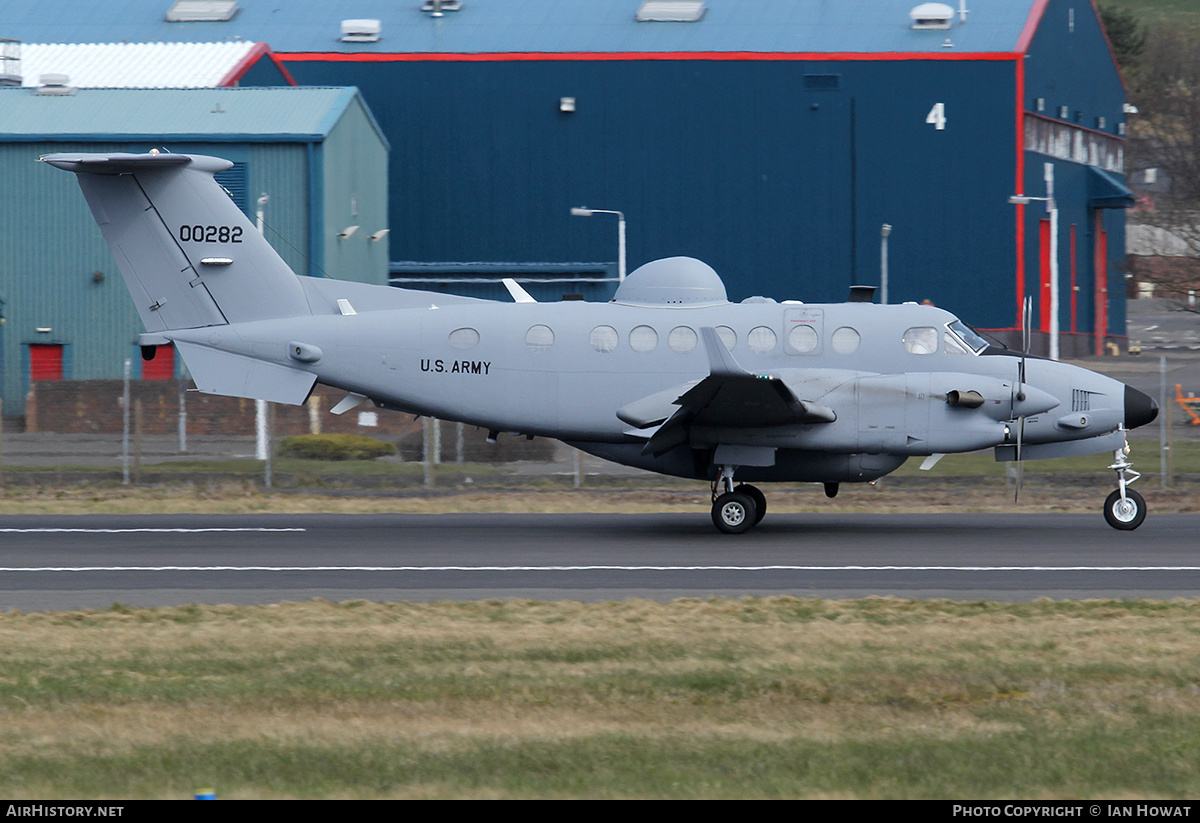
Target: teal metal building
point(316, 153)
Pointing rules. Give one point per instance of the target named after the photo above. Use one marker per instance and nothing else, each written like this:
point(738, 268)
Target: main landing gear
point(1124, 509)
point(736, 509)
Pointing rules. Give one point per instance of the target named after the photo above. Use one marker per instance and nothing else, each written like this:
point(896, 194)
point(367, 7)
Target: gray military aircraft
point(669, 376)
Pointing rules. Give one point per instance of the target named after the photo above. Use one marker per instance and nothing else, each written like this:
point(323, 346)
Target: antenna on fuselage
point(861, 294)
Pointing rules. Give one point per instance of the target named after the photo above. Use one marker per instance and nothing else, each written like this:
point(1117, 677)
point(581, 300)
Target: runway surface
point(57, 563)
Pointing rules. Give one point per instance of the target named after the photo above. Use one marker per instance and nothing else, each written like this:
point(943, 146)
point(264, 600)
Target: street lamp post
point(1052, 211)
point(580, 211)
point(884, 231)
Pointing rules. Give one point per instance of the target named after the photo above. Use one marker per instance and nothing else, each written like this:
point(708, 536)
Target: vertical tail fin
point(188, 254)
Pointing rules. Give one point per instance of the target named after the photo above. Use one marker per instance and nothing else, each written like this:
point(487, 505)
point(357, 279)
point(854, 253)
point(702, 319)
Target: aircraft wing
point(730, 397)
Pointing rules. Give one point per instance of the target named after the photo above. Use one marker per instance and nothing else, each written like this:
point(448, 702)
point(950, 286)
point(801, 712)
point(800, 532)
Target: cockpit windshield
point(962, 333)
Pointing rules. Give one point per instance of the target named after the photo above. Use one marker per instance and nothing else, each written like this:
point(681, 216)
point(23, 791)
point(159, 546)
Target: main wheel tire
point(760, 500)
point(733, 513)
point(1126, 514)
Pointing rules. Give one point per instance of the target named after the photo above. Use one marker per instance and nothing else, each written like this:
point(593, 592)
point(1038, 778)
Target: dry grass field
point(774, 697)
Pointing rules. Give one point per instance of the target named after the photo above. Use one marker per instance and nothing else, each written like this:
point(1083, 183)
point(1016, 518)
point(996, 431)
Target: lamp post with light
point(1052, 210)
point(580, 211)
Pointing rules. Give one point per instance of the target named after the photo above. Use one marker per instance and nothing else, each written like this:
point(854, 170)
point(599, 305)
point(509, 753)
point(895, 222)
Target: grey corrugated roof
point(538, 26)
point(241, 114)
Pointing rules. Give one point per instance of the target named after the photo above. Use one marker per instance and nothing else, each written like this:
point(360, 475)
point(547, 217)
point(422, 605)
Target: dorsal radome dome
point(672, 281)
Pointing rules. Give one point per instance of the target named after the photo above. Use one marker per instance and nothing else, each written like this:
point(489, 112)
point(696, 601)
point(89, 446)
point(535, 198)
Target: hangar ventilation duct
point(435, 8)
point(361, 31)
point(202, 11)
point(933, 16)
point(10, 62)
point(55, 84)
point(670, 11)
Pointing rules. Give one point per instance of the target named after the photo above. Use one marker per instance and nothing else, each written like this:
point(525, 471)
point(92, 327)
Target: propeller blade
point(1026, 339)
point(1020, 462)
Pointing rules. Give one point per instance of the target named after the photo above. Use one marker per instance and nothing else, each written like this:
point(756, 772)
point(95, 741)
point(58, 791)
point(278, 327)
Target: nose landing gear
point(1124, 509)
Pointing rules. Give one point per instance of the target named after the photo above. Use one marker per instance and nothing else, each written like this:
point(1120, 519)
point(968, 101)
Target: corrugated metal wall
point(777, 173)
point(354, 167)
point(58, 273)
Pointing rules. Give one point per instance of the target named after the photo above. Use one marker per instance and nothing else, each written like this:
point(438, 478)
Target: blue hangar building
point(773, 140)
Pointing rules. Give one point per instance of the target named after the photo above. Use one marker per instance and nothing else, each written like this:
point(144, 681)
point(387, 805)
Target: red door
point(1044, 256)
point(162, 367)
point(1101, 282)
point(45, 361)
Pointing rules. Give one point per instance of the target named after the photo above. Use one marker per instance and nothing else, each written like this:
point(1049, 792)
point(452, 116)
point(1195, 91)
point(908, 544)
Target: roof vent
point(54, 84)
point(361, 31)
point(931, 16)
point(670, 11)
point(436, 7)
point(201, 11)
point(10, 62)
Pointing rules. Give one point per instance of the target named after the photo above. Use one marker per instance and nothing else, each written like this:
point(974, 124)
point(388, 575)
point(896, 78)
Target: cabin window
point(761, 339)
point(962, 333)
point(802, 338)
point(539, 338)
point(683, 339)
point(728, 336)
point(845, 340)
point(643, 339)
point(951, 345)
point(464, 338)
point(920, 340)
point(603, 339)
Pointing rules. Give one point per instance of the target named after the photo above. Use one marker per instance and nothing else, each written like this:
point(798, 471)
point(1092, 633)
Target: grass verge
point(757, 697)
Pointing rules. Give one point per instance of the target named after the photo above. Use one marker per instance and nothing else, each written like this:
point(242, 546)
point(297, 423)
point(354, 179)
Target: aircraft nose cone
point(1140, 408)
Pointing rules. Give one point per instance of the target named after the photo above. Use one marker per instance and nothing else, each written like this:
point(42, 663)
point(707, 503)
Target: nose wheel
point(1124, 509)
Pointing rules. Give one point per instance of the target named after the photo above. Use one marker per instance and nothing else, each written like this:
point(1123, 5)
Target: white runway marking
point(146, 531)
point(596, 568)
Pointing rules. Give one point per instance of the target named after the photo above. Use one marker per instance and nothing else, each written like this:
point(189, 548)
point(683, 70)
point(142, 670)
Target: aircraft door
point(803, 331)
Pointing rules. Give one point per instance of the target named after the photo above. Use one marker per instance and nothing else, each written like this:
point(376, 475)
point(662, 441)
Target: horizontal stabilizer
point(121, 163)
point(220, 372)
